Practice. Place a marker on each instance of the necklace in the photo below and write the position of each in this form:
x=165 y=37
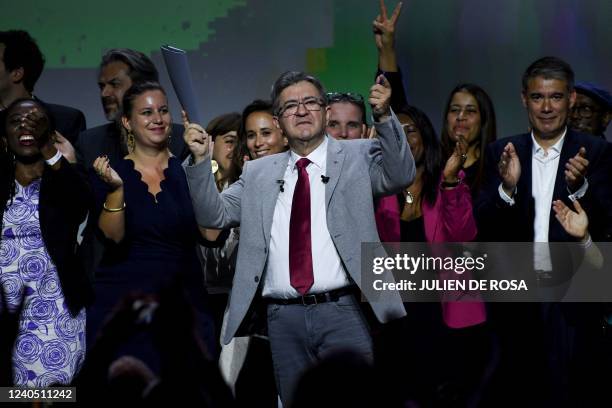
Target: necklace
x=409 y=198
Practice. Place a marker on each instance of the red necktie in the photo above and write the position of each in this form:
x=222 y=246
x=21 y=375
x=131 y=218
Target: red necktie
x=300 y=245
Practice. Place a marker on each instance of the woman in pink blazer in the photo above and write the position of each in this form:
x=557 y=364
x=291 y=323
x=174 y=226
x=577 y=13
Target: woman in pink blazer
x=437 y=208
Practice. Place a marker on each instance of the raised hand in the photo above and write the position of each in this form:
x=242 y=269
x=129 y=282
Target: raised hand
x=37 y=124
x=384 y=27
x=509 y=169
x=65 y=147
x=455 y=161
x=106 y=173
x=575 y=170
x=575 y=223
x=196 y=138
x=380 y=98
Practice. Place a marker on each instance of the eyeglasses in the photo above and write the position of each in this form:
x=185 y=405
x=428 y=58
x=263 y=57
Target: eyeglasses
x=344 y=97
x=584 y=111
x=290 y=108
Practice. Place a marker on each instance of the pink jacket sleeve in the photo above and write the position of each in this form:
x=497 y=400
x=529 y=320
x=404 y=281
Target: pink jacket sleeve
x=387 y=215
x=450 y=219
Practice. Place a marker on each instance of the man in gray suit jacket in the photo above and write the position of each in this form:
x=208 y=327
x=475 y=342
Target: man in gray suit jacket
x=303 y=215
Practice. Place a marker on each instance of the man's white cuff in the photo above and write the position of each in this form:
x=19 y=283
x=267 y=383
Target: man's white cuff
x=504 y=196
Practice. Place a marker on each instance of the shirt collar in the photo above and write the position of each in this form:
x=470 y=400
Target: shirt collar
x=317 y=156
x=555 y=148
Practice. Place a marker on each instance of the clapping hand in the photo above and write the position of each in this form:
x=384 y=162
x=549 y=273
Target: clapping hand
x=575 y=170
x=455 y=161
x=107 y=173
x=380 y=98
x=196 y=138
x=575 y=223
x=509 y=169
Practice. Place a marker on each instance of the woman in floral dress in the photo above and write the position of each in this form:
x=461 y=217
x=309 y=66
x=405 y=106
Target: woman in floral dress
x=42 y=202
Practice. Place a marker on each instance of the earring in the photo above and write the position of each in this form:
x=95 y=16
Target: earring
x=131 y=144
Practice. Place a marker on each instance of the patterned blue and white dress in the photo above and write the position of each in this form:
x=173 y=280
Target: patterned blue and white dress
x=51 y=343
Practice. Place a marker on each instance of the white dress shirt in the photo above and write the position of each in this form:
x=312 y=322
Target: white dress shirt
x=326 y=264
x=544 y=166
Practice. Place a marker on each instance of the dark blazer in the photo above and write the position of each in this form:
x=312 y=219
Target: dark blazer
x=497 y=221
x=106 y=139
x=537 y=336
x=64 y=200
x=68 y=121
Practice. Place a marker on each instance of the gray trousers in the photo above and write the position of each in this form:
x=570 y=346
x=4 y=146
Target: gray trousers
x=302 y=335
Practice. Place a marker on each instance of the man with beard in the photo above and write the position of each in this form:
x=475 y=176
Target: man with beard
x=119 y=69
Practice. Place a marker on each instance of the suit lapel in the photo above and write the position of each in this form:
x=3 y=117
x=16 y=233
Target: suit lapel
x=270 y=190
x=524 y=149
x=569 y=149
x=335 y=160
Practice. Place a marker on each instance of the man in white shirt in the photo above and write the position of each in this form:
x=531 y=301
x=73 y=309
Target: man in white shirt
x=525 y=174
x=303 y=216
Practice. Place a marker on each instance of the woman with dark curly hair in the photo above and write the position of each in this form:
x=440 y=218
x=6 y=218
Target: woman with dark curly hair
x=42 y=202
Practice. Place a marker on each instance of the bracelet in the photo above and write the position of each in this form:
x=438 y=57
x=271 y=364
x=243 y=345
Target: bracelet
x=586 y=244
x=113 y=209
x=57 y=157
x=452 y=184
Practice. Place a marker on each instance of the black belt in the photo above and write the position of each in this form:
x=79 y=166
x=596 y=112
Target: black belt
x=315 y=298
x=543 y=276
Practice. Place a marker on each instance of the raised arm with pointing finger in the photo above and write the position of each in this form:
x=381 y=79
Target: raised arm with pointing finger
x=303 y=215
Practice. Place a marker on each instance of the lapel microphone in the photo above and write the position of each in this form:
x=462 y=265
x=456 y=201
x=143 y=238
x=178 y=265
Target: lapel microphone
x=324 y=179
x=281 y=185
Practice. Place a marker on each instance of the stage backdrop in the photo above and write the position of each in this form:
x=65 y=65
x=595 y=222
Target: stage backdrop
x=238 y=47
